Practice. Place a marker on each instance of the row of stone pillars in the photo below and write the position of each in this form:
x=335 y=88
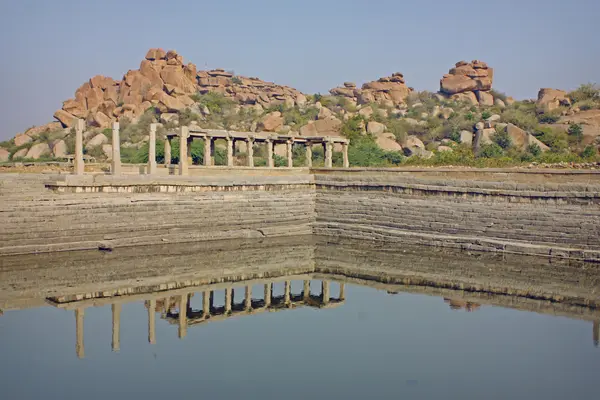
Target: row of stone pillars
x=207 y=306
x=185 y=155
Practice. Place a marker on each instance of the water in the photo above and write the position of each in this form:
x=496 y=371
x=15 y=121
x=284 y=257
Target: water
x=368 y=345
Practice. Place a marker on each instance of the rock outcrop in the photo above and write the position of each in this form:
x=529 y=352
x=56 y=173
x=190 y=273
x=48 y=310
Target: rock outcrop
x=390 y=90
x=469 y=82
x=550 y=99
x=165 y=82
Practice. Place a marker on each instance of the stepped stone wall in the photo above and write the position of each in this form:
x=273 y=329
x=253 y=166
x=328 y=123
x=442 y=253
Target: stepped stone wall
x=554 y=214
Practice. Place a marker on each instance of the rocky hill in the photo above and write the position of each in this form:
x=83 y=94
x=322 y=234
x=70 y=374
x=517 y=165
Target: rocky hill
x=386 y=119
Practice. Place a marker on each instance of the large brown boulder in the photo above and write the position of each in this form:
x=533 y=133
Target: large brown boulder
x=469 y=78
x=522 y=140
x=66 y=119
x=59 y=148
x=4 y=155
x=174 y=75
x=271 y=122
x=389 y=89
x=21 y=139
x=387 y=141
x=550 y=99
x=156 y=54
x=38 y=150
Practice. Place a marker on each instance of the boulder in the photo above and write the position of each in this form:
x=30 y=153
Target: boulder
x=328 y=127
x=466 y=137
x=59 y=148
x=166 y=103
x=521 y=139
x=499 y=103
x=467 y=97
x=324 y=112
x=271 y=122
x=22 y=139
x=4 y=155
x=156 y=54
x=97 y=140
x=485 y=98
x=550 y=99
x=483 y=136
x=457 y=84
x=66 y=119
x=387 y=141
x=366 y=112
x=38 y=150
x=375 y=128
x=107 y=150
x=446 y=112
x=494 y=118
x=20 y=154
x=99 y=119
x=174 y=75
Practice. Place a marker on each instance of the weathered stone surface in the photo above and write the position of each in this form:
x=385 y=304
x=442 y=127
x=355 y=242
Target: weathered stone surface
x=375 y=128
x=469 y=78
x=4 y=155
x=390 y=90
x=550 y=99
x=107 y=150
x=156 y=54
x=387 y=141
x=522 y=140
x=467 y=97
x=466 y=137
x=22 y=139
x=66 y=119
x=324 y=112
x=445 y=149
x=20 y=154
x=97 y=140
x=99 y=119
x=485 y=98
x=59 y=148
x=271 y=122
x=38 y=150
x=366 y=112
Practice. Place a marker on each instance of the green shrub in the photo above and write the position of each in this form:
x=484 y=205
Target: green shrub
x=576 y=131
x=486 y=114
x=502 y=139
x=491 y=150
x=589 y=152
x=548 y=118
x=236 y=80
x=215 y=102
x=534 y=149
x=556 y=139
x=498 y=95
x=588 y=91
x=523 y=118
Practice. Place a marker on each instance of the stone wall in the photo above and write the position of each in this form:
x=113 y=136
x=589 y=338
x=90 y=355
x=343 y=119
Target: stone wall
x=554 y=213
x=550 y=219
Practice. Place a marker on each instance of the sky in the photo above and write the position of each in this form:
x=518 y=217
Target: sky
x=50 y=47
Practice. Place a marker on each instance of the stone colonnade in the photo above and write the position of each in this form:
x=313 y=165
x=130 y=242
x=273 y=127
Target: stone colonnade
x=187 y=135
x=185 y=313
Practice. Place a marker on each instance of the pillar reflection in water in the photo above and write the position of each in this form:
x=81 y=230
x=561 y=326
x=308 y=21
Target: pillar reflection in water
x=116 y=327
x=79 y=347
x=596 y=333
x=152 y=322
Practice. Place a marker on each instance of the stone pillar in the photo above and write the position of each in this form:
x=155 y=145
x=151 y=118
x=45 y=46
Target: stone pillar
x=306 y=291
x=207 y=153
x=228 y=299
x=206 y=304
x=345 y=155
x=183 y=315
x=270 y=161
x=250 y=152
x=116 y=150
x=168 y=151
x=290 y=160
x=342 y=295
x=152 y=321
x=152 y=150
x=325 y=292
x=229 y=152
x=308 y=154
x=596 y=333
x=248 y=299
x=183 y=151
x=328 y=154
x=268 y=294
x=116 y=327
x=78 y=160
x=287 y=292
x=79 y=347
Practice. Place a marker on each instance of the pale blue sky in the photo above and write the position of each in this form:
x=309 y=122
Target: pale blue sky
x=50 y=47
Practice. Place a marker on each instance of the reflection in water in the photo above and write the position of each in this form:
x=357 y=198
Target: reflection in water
x=176 y=309
x=169 y=305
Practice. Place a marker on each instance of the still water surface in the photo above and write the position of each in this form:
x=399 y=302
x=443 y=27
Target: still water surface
x=372 y=345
